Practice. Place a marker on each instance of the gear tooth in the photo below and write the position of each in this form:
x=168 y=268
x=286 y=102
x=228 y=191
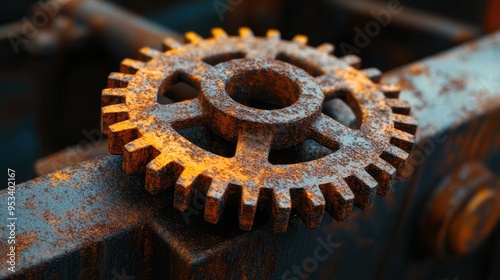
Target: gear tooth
x=245 y=32
x=339 y=200
x=219 y=33
x=399 y=106
x=131 y=66
x=397 y=158
x=184 y=190
x=216 y=201
x=403 y=140
x=364 y=188
x=120 y=134
x=390 y=90
x=326 y=48
x=161 y=173
x=384 y=173
x=300 y=39
x=352 y=60
x=193 y=37
x=248 y=206
x=137 y=154
x=119 y=80
x=163 y=170
x=111 y=96
x=273 y=34
x=153 y=81
x=281 y=208
x=373 y=74
x=146 y=54
x=405 y=123
x=170 y=44
x=311 y=206
x=113 y=114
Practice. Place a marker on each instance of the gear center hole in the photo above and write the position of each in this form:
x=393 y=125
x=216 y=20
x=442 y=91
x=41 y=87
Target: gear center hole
x=266 y=90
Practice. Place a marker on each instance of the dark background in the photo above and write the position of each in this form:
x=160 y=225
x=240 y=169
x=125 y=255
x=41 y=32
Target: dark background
x=49 y=97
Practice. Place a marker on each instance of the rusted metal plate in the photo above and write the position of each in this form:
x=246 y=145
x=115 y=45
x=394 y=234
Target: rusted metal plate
x=94 y=221
x=142 y=235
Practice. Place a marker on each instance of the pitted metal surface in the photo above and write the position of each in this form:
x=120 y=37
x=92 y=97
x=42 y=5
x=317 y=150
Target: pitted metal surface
x=258 y=95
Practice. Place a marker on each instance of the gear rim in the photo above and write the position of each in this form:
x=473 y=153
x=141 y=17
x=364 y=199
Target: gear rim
x=135 y=134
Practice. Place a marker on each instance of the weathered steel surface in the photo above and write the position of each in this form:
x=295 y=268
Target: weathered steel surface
x=236 y=77
x=456 y=98
x=137 y=234
x=93 y=221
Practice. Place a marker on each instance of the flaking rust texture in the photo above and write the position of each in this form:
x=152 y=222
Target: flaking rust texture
x=85 y=217
x=67 y=214
x=230 y=72
x=455 y=96
x=469 y=71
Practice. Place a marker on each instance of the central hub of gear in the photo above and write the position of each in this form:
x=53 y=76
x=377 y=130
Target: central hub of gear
x=263 y=95
x=228 y=86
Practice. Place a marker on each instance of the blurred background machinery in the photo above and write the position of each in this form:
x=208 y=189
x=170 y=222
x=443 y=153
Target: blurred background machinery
x=57 y=62
x=52 y=73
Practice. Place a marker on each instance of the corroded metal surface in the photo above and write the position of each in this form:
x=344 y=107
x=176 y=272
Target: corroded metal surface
x=455 y=96
x=462 y=83
x=93 y=221
x=263 y=95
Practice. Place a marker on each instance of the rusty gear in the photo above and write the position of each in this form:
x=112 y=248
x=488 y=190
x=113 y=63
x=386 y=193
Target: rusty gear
x=234 y=74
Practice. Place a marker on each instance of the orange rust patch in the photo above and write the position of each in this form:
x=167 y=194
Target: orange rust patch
x=30 y=205
x=24 y=240
x=418 y=69
x=51 y=218
x=59 y=176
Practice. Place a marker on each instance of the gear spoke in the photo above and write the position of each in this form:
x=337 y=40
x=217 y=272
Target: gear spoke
x=329 y=132
x=257 y=94
x=179 y=115
x=254 y=146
